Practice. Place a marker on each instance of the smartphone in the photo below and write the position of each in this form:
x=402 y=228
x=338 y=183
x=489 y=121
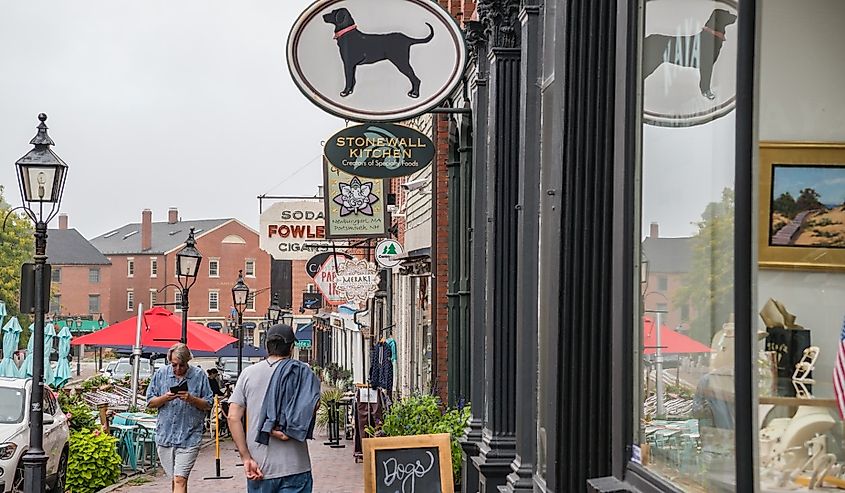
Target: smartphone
x=182 y=387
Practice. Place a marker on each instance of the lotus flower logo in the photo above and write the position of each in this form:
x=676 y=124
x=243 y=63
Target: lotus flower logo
x=355 y=197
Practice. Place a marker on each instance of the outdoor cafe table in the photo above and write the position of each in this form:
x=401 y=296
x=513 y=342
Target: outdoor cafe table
x=136 y=432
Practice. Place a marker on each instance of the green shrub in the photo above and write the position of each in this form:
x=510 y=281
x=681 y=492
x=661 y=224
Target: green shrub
x=421 y=415
x=93 y=462
x=95 y=383
x=79 y=413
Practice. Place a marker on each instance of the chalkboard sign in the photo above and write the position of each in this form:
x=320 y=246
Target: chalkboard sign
x=408 y=464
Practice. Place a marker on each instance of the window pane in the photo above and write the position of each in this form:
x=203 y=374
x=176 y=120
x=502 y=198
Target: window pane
x=130 y=268
x=130 y=301
x=93 y=303
x=685 y=426
x=213 y=299
x=94 y=275
x=153 y=267
x=213 y=268
x=178 y=300
x=56 y=304
x=56 y=274
x=250 y=303
x=249 y=268
x=800 y=285
x=153 y=298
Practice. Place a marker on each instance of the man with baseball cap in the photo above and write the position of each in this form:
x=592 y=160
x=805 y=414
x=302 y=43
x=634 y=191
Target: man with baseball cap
x=275 y=462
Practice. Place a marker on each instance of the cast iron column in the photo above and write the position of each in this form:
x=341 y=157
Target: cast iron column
x=528 y=237
x=184 y=338
x=477 y=321
x=498 y=446
x=240 y=343
x=35 y=460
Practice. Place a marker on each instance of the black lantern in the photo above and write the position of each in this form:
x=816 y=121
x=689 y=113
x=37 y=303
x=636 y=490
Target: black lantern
x=274 y=312
x=41 y=178
x=101 y=322
x=188 y=262
x=240 y=293
x=287 y=318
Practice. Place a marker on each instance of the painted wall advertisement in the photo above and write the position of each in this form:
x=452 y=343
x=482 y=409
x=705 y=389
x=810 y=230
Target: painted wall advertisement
x=294 y=229
x=354 y=206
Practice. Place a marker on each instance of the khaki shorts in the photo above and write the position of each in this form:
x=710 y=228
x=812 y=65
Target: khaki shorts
x=178 y=461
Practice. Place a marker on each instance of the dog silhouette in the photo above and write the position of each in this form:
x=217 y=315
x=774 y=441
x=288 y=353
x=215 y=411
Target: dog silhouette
x=681 y=50
x=357 y=48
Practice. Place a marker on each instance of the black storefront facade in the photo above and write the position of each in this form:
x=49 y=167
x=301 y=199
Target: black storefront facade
x=573 y=149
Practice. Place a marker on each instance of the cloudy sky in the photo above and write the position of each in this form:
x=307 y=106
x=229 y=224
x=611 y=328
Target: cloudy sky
x=159 y=104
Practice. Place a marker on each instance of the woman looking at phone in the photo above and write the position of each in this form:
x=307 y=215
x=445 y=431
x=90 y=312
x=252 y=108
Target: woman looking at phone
x=182 y=395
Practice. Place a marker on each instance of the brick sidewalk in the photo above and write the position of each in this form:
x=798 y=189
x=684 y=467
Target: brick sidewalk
x=334 y=470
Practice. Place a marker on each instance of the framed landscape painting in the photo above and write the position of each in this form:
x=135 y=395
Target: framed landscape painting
x=802 y=206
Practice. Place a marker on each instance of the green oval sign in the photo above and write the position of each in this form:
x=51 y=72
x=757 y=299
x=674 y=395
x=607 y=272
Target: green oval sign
x=379 y=150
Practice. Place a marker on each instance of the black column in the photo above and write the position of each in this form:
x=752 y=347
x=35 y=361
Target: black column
x=521 y=479
x=455 y=348
x=478 y=219
x=498 y=446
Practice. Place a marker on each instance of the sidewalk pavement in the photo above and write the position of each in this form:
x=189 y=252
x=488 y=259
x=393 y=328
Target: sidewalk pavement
x=334 y=471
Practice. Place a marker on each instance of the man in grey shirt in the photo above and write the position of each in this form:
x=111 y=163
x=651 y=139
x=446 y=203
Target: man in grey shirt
x=283 y=465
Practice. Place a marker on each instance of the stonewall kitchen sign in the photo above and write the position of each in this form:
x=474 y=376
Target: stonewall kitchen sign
x=379 y=150
x=291 y=228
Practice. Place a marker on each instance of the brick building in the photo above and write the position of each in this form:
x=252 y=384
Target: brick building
x=143 y=257
x=81 y=275
x=669 y=261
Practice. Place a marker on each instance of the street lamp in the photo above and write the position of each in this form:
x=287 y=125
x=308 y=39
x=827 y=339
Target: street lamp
x=274 y=311
x=41 y=178
x=240 y=295
x=188 y=262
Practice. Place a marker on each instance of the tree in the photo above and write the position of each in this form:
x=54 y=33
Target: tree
x=808 y=200
x=709 y=285
x=785 y=204
x=16 y=248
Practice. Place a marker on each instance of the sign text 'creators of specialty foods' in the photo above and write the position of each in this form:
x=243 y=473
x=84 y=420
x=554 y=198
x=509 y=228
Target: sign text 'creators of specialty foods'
x=294 y=229
x=379 y=150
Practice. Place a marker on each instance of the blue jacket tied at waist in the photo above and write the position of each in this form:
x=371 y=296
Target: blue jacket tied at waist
x=291 y=399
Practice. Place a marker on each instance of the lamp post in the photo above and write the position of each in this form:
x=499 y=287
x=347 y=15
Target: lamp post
x=101 y=323
x=240 y=295
x=41 y=178
x=274 y=311
x=79 y=349
x=188 y=262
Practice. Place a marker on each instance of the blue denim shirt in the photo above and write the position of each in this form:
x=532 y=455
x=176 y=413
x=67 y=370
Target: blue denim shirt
x=179 y=424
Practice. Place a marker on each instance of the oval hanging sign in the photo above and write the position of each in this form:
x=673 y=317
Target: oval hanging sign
x=376 y=60
x=379 y=150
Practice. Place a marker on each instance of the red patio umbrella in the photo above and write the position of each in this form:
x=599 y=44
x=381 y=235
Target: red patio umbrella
x=671 y=342
x=160 y=329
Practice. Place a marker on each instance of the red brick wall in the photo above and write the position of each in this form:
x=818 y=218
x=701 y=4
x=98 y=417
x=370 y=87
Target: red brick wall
x=440 y=266
x=74 y=289
x=300 y=281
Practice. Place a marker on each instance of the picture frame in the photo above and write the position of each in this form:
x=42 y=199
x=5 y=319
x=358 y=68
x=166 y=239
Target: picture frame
x=385 y=468
x=801 y=213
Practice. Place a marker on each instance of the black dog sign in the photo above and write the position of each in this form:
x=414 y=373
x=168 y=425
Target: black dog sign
x=376 y=60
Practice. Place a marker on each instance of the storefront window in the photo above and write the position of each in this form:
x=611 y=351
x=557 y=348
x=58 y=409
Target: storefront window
x=801 y=244
x=684 y=318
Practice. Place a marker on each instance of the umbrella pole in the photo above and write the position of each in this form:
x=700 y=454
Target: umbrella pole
x=217 y=442
x=136 y=357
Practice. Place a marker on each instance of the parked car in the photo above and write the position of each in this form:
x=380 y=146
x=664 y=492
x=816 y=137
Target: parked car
x=123 y=368
x=228 y=368
x=14 y=435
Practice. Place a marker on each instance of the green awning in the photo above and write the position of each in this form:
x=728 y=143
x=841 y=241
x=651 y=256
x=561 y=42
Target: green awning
x=87 y=326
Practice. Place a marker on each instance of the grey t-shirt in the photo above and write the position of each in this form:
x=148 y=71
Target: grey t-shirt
x=279 y=458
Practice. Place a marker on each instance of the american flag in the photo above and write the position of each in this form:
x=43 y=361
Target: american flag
x=839 y=374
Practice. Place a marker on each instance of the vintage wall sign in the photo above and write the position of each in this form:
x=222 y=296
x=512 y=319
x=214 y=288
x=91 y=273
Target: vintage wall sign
x=291 y=229
x=376 y=60
x=354 y=206
x=387 y=252
x=316 y=261
x=689 y=61
x=357 y=280
x=379 y=150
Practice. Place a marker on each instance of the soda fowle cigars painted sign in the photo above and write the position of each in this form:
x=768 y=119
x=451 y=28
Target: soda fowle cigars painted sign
x=379 y=150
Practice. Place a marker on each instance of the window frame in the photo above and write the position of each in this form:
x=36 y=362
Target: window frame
x=56 y=274
x=216 y=294
x=91 y=270
x=153 y=297
x=130 y=300
x=153 y=267
x=130 y=267
x=99 y=303
x=177 y=300
x=216 y=263
x=247 y=263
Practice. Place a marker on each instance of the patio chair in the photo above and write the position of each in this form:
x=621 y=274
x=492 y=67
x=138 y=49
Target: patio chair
x=145 y=443
x=126 y=446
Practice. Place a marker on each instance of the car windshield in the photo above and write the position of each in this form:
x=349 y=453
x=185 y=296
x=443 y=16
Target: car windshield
x=233 y=365
x=124 y=367
x=11 y=405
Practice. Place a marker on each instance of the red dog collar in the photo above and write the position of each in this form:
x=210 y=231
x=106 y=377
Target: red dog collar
x=710 y=30
x=346 y=30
